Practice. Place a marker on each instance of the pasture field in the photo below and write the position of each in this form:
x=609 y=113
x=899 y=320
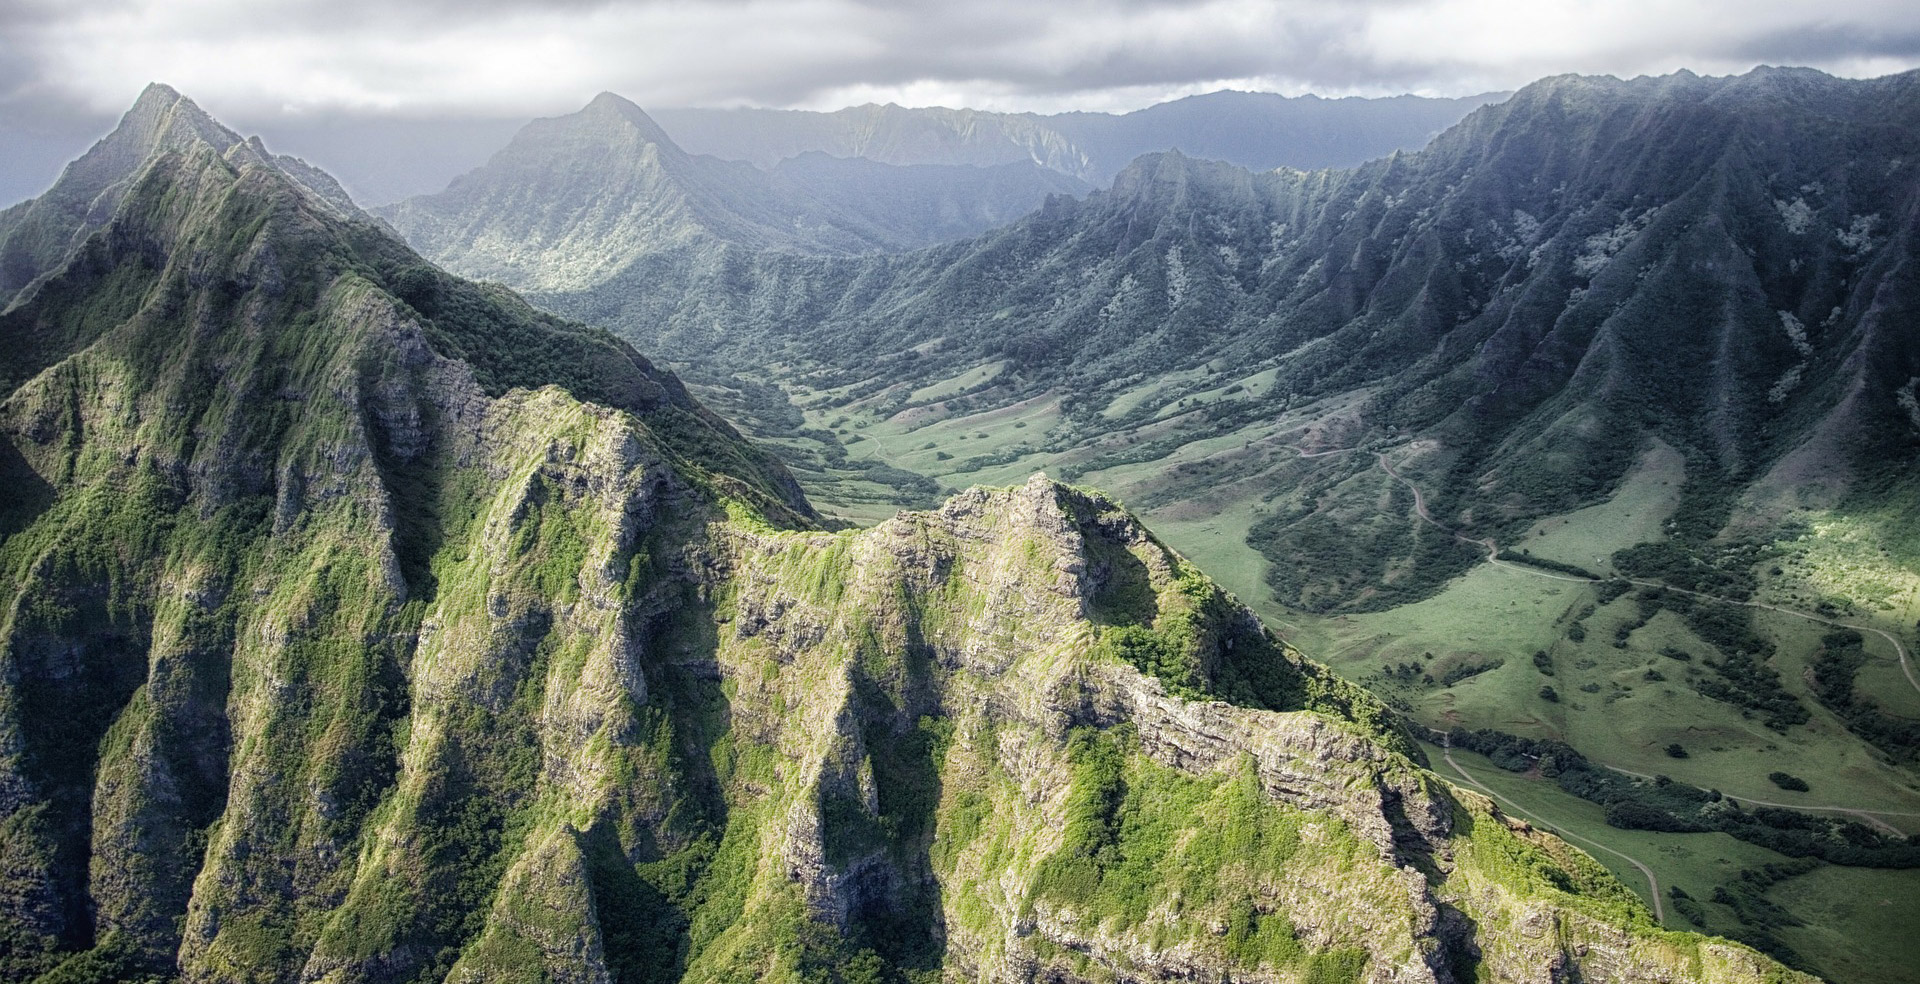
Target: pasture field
x=1845 y=924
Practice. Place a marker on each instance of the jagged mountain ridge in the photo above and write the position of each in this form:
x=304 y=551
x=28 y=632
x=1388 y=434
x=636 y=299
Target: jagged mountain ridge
x=1256 y=130
x=573 y=200
x=332 y=651
x=1723 y=264
x=36 y=234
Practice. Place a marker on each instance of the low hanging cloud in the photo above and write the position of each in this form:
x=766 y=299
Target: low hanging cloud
x=252 y=59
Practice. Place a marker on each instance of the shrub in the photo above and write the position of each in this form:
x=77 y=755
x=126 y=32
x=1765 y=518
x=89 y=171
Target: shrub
x=1637 y=815
x=1788 y=781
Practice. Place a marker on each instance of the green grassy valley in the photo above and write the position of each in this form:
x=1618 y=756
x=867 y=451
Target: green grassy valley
x=1849 y=921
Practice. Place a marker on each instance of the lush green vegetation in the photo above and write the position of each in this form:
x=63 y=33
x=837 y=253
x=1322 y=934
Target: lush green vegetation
x=1788 y=781
x=330 y=664
x=1840 y=659
x=1526 y=557
x=1664 y=805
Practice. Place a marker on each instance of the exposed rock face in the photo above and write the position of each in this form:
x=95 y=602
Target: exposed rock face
x=335 y=648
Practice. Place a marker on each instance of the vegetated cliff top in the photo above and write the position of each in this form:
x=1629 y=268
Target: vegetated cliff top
x=362 y=624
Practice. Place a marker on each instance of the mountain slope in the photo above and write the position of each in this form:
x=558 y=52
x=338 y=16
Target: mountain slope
x=1256 y=130
x=574 y=200
x=1721 y=264
x=332 y=651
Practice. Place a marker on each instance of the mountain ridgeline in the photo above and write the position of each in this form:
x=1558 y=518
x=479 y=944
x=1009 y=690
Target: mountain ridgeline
x=1257 y=130
x=359 y=623
x=1725 y=265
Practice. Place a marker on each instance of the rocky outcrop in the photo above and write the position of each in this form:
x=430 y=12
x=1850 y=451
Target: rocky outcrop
x=980 y=621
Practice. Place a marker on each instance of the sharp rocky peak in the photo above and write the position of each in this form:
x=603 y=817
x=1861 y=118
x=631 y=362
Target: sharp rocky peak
x=37 y=235
x=608 y=107
x=161 y=119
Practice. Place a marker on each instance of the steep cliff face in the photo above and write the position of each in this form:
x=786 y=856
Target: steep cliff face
x=1008 y=761
x=360 y=624
x=236 y=447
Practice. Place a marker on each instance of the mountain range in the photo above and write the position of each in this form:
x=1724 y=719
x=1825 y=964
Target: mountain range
x=1722 y=265
x=1588 y=429
x=382 y=159
x=572 y=200
x=362 y=623
x=1256 y=130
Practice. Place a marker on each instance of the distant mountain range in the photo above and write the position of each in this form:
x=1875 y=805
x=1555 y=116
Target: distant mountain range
x=382 y=160
x=1256 y=130
x=574 y=200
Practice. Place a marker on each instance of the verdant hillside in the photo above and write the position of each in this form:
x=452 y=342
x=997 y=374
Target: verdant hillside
x=359 y=623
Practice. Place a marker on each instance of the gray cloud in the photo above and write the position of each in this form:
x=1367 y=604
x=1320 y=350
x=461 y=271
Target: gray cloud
x=1828 y=42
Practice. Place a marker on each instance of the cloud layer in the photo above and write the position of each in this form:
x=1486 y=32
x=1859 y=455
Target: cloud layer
x=253 y=58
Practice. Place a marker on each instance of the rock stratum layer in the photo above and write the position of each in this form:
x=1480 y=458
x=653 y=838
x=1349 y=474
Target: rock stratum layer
x=361 y=624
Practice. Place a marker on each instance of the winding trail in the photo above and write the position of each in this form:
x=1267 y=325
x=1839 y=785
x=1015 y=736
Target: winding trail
x=1872 y=817
x=1653 y=882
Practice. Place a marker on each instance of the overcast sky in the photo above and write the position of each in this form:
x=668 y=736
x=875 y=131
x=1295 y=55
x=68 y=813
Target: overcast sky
x=397 y=96
x=252 y=58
